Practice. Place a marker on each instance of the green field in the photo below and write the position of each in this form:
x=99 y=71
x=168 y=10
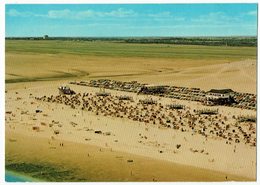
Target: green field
x=115 y=49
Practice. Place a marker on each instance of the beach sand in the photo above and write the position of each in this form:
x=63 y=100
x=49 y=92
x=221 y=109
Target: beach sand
x=152 y=147
x=126 y=150
x=205 y=73
x=101 y=164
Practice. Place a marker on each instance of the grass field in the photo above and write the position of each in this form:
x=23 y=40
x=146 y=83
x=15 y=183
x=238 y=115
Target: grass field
x=99 y=48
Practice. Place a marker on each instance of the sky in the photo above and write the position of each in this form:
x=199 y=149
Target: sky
x=122 y=20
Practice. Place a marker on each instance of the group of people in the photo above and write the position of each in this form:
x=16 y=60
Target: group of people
x=185 y=119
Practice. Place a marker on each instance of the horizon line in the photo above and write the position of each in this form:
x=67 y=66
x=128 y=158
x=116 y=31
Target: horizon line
x=128 y=36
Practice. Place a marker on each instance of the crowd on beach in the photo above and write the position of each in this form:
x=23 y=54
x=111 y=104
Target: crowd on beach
x=242 y=100
x=207 y=123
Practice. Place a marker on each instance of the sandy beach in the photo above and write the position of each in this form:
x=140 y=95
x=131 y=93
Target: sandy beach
x=92 y=163
x=59 y=125
x=102 y=134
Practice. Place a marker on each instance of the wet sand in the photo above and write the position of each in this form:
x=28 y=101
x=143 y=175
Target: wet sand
x=101 y=164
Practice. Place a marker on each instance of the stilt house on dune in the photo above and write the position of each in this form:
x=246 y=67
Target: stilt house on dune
x=219 y=97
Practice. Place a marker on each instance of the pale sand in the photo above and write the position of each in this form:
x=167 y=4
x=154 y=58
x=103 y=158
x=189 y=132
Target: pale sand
x=221 y=157
x=205 y=74
x=171 y=165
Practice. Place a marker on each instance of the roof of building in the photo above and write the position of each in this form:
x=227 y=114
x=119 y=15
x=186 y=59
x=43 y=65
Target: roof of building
x=221 y=91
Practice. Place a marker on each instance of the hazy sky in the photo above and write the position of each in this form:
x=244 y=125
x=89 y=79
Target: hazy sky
x=132 y=20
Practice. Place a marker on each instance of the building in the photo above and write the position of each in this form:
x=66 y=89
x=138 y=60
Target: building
x=219 y=97
x=45 y=37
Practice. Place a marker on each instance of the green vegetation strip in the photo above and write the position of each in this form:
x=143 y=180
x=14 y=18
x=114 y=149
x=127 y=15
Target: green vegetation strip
x=112 y=49
x=208 y=41
x=44 y=172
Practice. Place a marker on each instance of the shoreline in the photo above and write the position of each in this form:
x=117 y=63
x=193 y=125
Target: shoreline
x=14 y=176
x=169 y=170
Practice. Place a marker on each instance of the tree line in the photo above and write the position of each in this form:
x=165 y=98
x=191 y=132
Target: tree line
x=208 y=41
